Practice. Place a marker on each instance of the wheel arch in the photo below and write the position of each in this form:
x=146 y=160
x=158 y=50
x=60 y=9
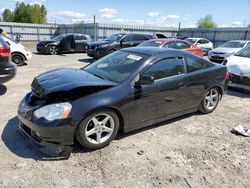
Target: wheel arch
x=113 y=109
x=19 y=53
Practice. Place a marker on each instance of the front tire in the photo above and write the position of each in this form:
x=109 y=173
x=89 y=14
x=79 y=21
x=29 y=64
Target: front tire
x=18 y=59
x=98 y=129
x=210 y=101
x=53 y=50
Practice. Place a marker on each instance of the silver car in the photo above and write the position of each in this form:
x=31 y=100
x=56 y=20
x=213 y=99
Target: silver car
x=229 y=48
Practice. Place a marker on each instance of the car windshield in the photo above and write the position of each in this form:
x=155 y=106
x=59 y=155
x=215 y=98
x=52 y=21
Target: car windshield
x=191 y=40
x=245 y=52
x=115 y=37
x=154 y=43
x=59 y=37
x=234 y=44
x=117 y=66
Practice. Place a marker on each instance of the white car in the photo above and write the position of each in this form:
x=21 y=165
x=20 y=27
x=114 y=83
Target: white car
x=238 y=66
x=19 y=54
x=203 y=43
x=229 y=48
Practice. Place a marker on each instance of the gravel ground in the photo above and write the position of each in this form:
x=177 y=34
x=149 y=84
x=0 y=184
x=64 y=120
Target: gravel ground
x=191 y=151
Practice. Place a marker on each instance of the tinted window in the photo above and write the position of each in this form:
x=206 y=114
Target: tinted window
x=195 y=63
x=80 y=37
x=127 y=38
x=140 y=37
x=165 y=68
x=152 y=43
x=177 y=45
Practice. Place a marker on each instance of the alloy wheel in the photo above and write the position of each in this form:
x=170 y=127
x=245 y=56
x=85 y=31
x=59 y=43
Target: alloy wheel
x=211 y=99
x=53 y=50
x=99 y=128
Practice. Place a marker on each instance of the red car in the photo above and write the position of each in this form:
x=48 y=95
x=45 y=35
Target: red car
x=174 y=43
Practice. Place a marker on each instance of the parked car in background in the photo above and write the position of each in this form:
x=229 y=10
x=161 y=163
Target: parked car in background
x=67 y=42
x=126 y=90
x=115 y=42
x=238 y=66
x=229 y=48
x=19 y=54
x=173 y=43
x=7 y=68
x=203 y=43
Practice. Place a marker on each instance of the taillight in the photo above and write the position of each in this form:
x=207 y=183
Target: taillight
x=4 y=52
x=227 y=76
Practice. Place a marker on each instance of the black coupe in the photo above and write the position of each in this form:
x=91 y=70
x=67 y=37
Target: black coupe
x=126 y=90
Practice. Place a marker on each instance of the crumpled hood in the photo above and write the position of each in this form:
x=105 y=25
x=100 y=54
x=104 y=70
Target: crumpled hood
x=226 y=50
x=239 y=66
x=65 y=79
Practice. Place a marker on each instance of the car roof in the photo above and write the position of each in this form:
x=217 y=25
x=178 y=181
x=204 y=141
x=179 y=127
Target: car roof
x=150 y=51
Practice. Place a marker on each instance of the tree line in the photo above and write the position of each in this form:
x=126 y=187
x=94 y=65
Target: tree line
x=26 y=14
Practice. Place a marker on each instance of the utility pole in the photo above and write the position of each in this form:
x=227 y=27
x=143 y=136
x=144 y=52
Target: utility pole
x=94 y=28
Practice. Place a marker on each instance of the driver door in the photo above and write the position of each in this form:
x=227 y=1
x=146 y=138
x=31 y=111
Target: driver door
x=165 y=97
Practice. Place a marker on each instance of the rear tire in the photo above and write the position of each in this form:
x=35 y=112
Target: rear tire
x=210 y=101
x=18 y=59
x=98 y=129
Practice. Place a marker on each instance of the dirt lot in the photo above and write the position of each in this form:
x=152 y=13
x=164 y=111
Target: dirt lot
x=192 y=151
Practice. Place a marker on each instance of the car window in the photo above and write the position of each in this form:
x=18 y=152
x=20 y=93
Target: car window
x=245 y=52
x=195 y=63
x=234 y=44
x=139 y=38
x=117 y=66
x=248 y=44
x=199 y=42
x=205 y=41
x=170 y=45
x=152 y=43
x=165 y=68
x=127 y=38
x=80 y=37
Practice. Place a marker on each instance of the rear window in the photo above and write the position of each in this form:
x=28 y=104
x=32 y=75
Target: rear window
x=234 y=44
x=151 y=43
x=195 y=63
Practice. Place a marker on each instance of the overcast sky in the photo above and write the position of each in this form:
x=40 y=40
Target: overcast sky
x=226 y=13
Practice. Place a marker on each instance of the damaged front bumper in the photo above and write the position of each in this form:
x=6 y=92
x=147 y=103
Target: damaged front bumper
x=55 y=139
x=43 y=144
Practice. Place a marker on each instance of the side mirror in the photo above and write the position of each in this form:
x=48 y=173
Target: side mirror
x=145 y=80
